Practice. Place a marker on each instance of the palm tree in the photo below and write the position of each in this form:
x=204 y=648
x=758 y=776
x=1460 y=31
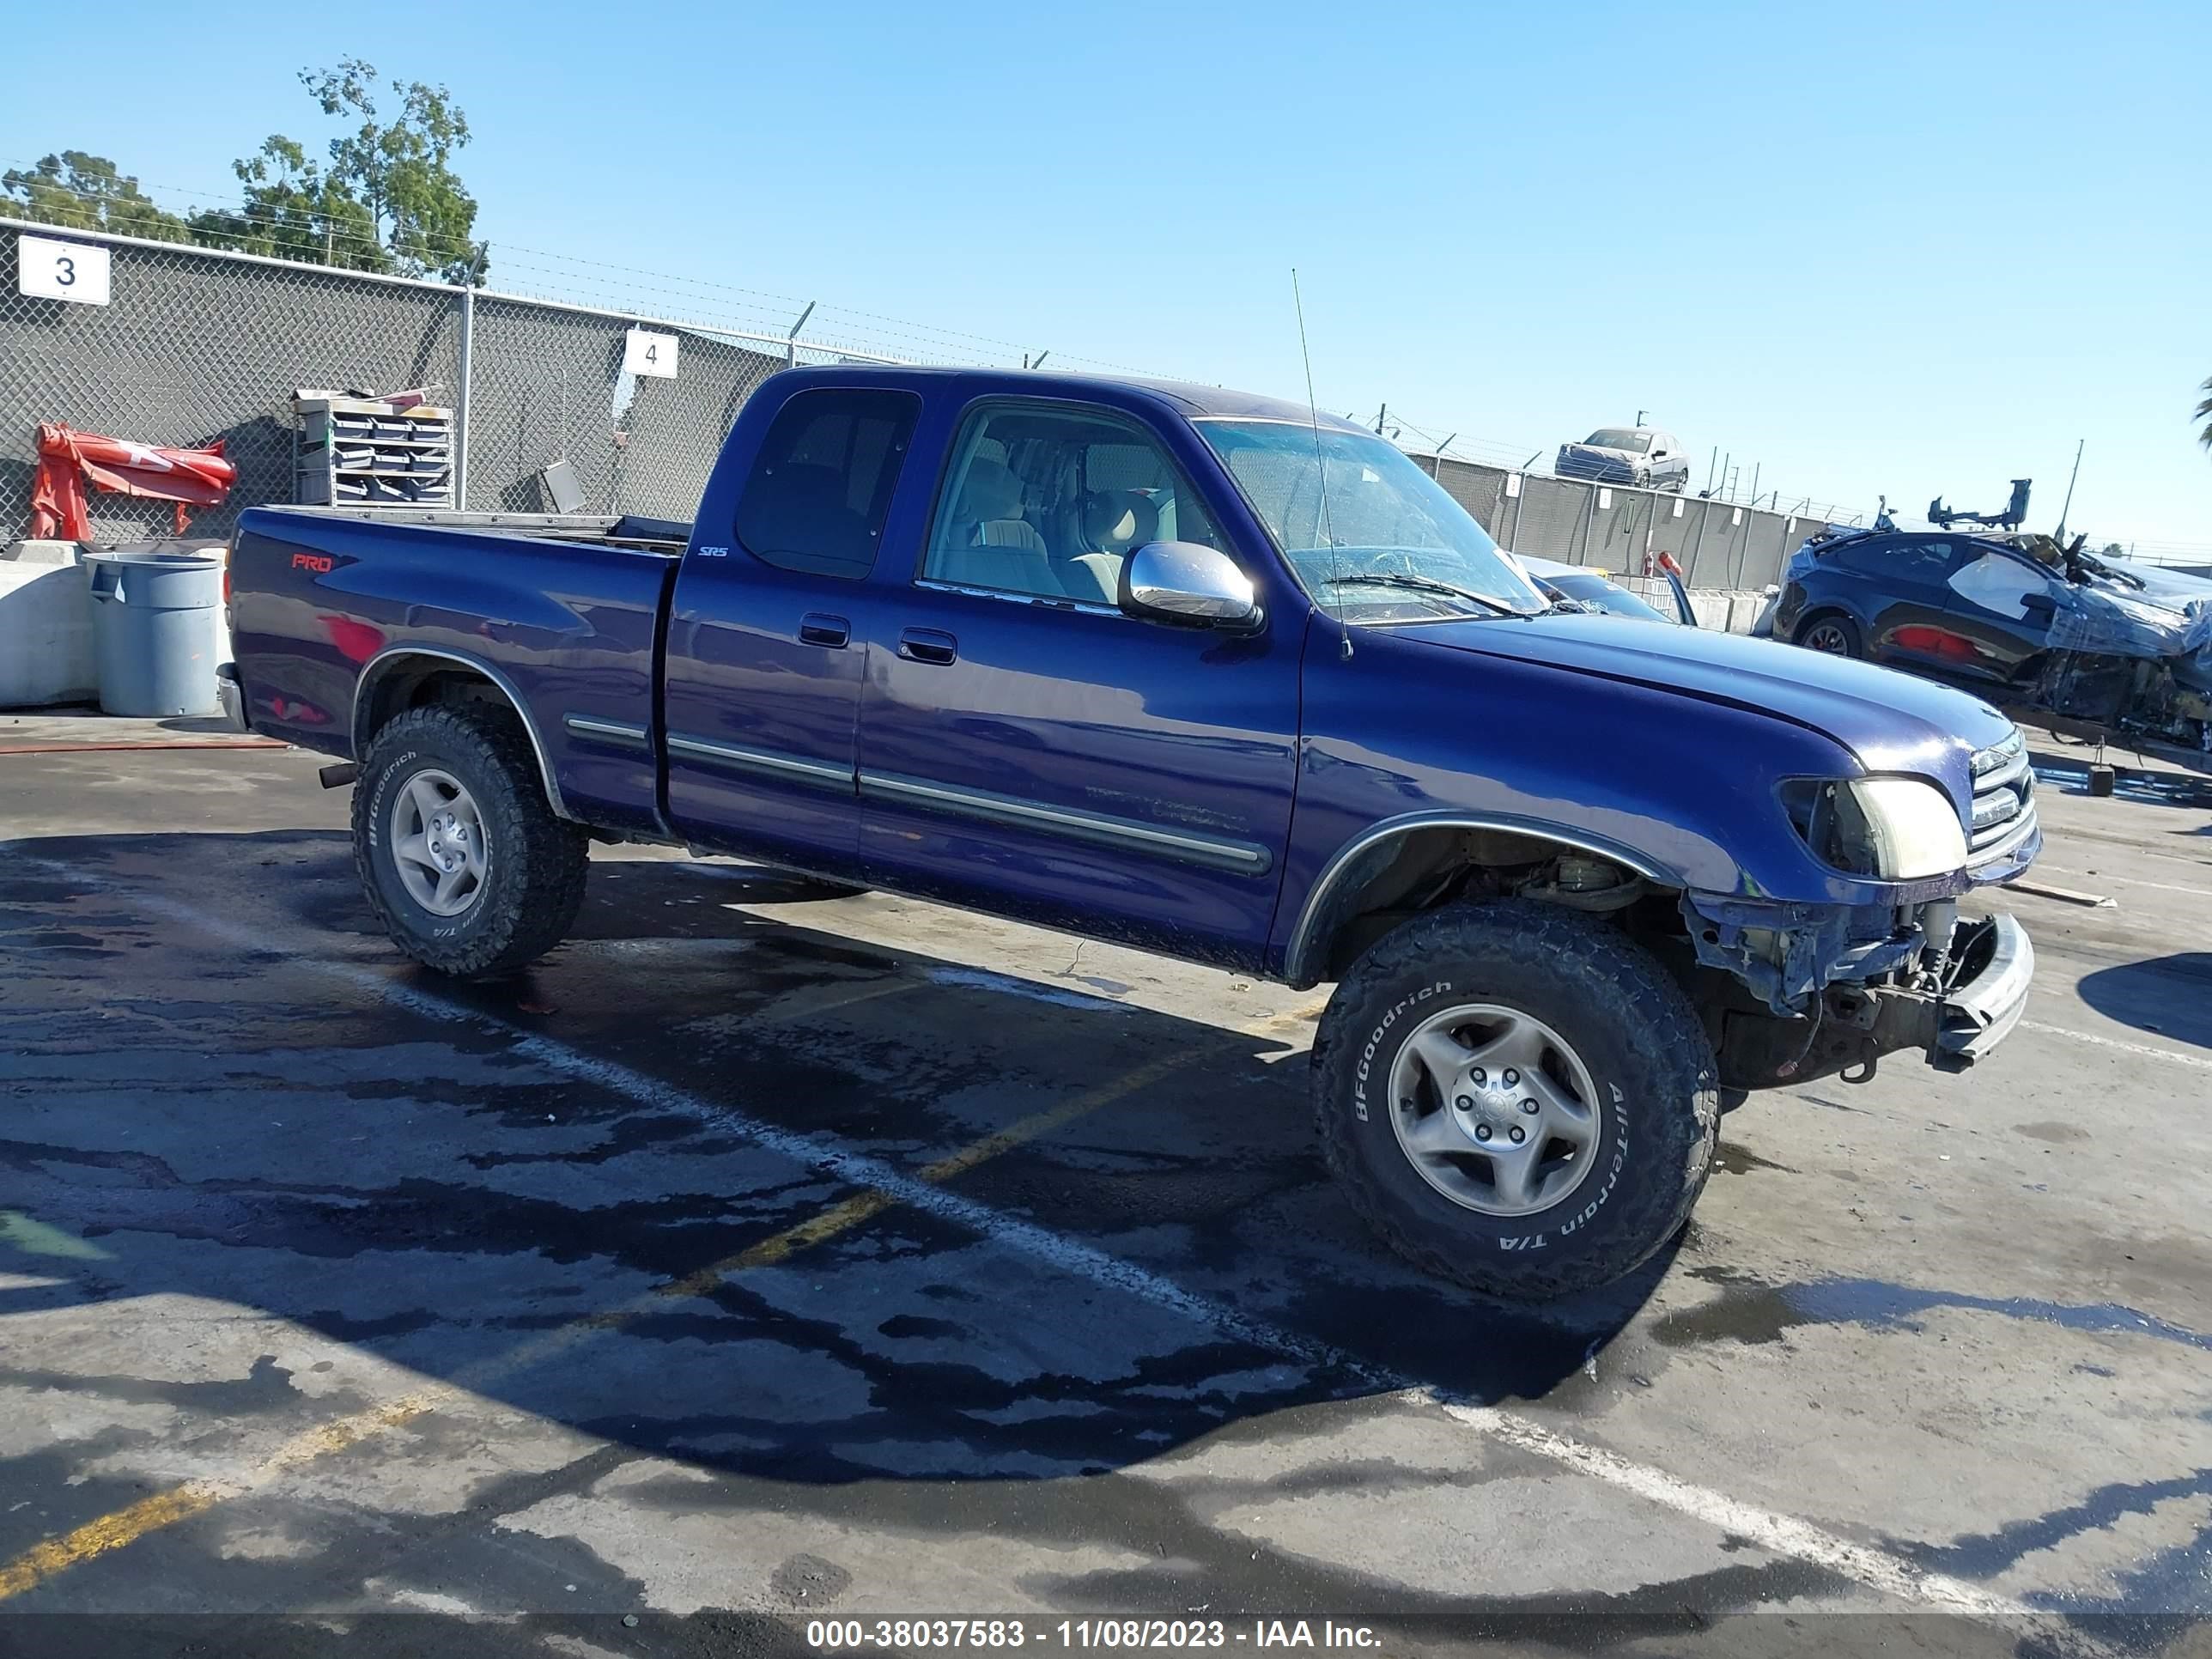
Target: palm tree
x=2204 y=414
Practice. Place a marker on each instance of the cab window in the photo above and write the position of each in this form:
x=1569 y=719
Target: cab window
x=1049 y=502
x=821 y=486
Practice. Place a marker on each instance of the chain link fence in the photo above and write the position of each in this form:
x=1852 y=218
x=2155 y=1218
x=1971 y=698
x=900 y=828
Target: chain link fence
x=196 y=345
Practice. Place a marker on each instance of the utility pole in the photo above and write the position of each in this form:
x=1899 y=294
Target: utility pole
x=2079 y=446
x=1712 y=462
x=1640 y=413
x=1381 y=409
x=1754 y=483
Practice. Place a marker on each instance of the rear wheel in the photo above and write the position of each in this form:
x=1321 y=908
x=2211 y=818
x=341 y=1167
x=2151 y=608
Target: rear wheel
x=457 y=850
x=1516 y=1097
x=1832 y=634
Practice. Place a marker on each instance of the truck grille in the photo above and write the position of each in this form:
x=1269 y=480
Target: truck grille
x=2004 y=799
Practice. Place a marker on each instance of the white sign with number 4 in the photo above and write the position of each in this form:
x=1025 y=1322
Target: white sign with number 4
x=646 y=352
x=48 y=269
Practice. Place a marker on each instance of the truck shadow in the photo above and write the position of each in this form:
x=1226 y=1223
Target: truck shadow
x=2168 y=994
x=552 y=1190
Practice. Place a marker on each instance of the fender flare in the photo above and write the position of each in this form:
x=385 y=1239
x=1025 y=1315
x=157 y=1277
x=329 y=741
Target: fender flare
x=1301 y=964
x=383 y=663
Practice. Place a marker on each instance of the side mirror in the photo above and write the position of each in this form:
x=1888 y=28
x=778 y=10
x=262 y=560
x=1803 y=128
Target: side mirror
x=1187 y=584
x=2040 y=604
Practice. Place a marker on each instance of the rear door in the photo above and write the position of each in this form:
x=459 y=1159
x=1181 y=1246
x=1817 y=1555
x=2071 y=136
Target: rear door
x=1027 y=748
x=765 y=634
x=1904 y=589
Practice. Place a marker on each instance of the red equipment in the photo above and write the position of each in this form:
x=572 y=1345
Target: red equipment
x=67 y=459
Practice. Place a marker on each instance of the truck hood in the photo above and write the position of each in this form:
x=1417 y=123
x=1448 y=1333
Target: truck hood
x=1891 y=721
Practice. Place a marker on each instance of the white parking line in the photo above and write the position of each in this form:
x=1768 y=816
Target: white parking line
x=2127 y=881
x=2143 y=1049
x=1780 y=1534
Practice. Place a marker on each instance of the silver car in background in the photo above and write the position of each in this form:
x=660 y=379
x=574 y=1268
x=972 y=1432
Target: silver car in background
x=1643 y=456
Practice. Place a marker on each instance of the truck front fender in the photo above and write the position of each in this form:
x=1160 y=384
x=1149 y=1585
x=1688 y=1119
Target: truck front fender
x=1330 y=900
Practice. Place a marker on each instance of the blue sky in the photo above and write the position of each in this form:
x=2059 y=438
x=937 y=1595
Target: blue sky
x=1869 y=248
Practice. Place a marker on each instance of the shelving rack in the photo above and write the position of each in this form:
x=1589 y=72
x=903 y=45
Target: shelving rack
x=364 y=452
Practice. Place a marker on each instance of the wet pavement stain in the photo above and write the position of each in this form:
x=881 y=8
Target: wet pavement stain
x=976 y=1441
x=1732 y=1159
x=1754 y=1311
x=917 y=1325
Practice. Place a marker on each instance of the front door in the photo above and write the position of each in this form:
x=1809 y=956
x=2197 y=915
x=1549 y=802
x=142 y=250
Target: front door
x=1024 y=744
x=1907 y=605
x=766 y=640
x=2002 y=603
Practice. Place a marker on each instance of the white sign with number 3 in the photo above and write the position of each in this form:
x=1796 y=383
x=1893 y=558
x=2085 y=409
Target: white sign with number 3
x=61 y=271
x=645 y=353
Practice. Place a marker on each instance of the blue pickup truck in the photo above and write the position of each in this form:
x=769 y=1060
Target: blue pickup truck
x=1209 y=675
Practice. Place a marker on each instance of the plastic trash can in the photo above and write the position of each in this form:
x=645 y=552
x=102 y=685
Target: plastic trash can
x=157 y=631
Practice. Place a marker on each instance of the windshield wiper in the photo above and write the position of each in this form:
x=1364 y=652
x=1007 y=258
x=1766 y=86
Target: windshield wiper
x=1426 y=585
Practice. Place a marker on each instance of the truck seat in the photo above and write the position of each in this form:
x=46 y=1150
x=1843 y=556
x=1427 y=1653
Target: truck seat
x=988 y=543
x=1115 y=522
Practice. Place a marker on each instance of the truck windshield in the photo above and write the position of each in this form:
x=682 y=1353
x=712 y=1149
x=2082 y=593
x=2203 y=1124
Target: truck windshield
x=1385 y=521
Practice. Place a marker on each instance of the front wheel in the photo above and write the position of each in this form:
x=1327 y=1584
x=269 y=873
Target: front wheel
x=460 y=853
x=1517 y=1097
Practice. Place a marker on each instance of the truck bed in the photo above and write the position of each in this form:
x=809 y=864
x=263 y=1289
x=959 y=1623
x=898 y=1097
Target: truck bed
x=625 y=530
x=340 y=613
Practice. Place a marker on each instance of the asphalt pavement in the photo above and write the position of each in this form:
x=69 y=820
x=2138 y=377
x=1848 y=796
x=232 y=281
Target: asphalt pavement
x=762 y=1258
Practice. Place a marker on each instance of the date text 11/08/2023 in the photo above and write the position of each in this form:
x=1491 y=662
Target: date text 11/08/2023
x=849 y=1634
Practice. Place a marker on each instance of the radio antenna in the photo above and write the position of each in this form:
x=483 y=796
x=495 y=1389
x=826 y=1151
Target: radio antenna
x=1320 y=465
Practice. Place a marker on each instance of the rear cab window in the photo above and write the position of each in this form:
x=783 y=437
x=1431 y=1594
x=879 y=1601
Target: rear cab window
x=821 y=487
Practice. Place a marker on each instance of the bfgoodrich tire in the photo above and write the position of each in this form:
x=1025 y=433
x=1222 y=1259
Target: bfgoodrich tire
x=458 y=852
x=1517 y=1097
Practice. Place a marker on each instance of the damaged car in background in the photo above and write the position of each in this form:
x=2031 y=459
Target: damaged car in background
x=2125 y=647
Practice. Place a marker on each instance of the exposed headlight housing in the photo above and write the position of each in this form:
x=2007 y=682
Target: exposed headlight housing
x=1891 y=829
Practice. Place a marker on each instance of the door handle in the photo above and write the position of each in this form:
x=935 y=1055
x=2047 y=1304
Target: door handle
x=927 y=644
x=819 y=627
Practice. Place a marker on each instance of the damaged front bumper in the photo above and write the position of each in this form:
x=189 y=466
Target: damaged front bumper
x=1984 y=995
x=1955 y=1015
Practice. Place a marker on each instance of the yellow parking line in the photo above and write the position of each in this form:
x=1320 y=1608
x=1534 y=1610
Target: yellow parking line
x=125 y=1526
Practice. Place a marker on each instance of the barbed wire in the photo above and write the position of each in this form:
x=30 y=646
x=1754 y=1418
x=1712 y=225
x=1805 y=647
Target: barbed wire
x=558 y=284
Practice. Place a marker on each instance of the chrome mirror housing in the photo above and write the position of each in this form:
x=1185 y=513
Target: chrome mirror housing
x=1189 y=584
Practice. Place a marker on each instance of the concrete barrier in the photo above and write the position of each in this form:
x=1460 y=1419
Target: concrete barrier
x=46 y=627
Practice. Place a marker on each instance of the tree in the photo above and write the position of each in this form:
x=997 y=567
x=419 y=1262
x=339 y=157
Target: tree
x=387 y=200
x=2204 y=414
x=292 y=209
x=87 y=192
x=401 y=172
